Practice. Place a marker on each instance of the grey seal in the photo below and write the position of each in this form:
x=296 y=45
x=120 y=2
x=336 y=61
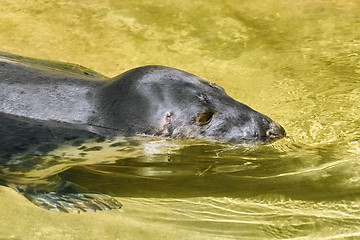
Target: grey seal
x=49 y=102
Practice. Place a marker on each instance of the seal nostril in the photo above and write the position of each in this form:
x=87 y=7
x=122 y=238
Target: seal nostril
x=275 y=131
x=271 y=133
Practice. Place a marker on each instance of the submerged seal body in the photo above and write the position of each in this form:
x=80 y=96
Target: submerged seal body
x=42 y=106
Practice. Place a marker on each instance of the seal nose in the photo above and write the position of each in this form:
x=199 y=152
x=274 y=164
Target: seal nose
x=275 y=131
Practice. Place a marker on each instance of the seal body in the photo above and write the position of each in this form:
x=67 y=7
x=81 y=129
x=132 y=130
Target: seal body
x=150 y=100
x=45 y=105
x=45 y=94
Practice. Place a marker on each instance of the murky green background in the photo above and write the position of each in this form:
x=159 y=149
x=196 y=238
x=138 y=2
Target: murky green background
x=296 y=61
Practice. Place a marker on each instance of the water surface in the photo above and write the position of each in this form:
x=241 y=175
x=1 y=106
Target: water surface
x=297 y=62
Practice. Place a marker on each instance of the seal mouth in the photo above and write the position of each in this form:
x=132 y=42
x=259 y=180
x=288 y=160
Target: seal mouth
x=271 y=134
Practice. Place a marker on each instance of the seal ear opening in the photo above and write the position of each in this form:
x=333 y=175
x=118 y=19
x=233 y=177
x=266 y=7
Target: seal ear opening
x=205 y=117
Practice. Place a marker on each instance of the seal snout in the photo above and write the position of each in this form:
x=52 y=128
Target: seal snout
x=275 y=131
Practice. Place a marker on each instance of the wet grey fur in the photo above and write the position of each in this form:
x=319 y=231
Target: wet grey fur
x=150 y=100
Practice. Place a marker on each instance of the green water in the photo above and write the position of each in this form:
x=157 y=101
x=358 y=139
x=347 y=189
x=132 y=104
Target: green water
x=295 y=61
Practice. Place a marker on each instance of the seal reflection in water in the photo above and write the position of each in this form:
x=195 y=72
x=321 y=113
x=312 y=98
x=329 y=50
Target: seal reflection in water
x=57 y=104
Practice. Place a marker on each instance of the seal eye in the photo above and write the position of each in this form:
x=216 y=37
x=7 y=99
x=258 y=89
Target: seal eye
x=205 y=117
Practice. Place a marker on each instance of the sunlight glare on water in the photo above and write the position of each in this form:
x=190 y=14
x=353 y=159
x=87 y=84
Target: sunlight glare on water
x=295 y=61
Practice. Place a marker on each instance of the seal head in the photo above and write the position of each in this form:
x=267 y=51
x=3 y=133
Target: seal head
x=162 y=101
